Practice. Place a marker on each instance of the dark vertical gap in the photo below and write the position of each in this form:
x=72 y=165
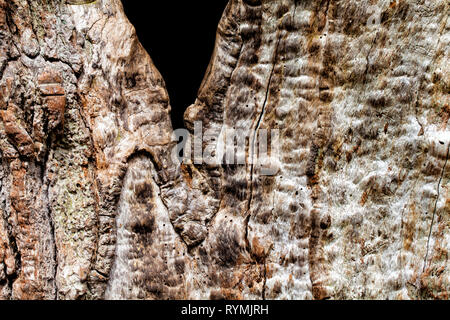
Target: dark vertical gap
x=180 y=37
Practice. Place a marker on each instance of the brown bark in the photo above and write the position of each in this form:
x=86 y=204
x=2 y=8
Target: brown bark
x=93 y=206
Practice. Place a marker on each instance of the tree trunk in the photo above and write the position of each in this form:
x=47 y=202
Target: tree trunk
x=352 y=200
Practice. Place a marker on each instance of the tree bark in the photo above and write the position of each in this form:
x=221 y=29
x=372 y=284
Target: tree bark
x=356 y=205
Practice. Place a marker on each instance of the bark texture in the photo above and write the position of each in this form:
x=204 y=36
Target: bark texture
x=92 y=205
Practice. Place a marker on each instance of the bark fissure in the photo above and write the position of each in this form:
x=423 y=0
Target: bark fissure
x=433 y=217
x=258 y=123
x=255 y=132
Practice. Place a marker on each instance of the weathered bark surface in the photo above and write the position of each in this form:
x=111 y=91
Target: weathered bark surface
x=92 y=206
x=80 y=99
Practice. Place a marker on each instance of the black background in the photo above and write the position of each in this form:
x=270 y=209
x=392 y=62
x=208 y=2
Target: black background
x=171 y=310
x=180 y=37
